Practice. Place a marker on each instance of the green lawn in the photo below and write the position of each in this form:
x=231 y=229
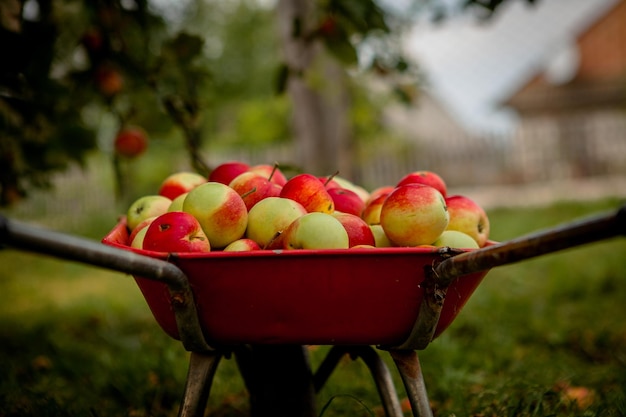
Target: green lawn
x=80 y=341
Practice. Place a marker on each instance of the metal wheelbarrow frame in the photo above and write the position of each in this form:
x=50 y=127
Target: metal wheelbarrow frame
x=449 y=267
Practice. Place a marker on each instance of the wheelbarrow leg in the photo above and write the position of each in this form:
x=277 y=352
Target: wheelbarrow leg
x=202 y=367
x=410 y=371
x=384 y=382
x=377 y=367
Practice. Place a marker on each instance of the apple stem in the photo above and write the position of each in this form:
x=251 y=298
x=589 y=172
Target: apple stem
x=273 y=239
x=247 y=193
x=330 y=178
x=273 y=171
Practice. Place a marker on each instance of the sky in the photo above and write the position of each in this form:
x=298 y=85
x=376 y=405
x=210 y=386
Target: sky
x=470 y=66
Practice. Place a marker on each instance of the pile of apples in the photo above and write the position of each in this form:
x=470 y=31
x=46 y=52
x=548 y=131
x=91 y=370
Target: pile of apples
x=245 y=208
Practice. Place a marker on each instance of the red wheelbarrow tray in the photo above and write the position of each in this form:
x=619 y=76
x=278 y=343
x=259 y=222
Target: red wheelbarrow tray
x=307 y=297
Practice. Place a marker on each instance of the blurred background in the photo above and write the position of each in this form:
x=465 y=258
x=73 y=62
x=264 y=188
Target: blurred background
x=525 y=97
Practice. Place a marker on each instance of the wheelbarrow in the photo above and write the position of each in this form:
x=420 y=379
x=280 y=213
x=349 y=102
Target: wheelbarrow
x=263 y=307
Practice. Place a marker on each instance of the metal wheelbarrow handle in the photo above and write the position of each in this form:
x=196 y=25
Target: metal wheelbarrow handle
x=440 y=276
x=35 y=239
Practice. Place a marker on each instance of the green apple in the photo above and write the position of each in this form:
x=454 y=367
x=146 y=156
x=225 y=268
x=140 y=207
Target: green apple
x=380 y=238
x=137 y=241
x=413 y=215
x=221 y=212
x=270 y=217
x=315 y=231
x=177 y=203
x=144 y=207
x=456 y=239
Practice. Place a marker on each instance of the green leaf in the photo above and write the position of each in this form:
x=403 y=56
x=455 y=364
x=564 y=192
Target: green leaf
x=342 y=49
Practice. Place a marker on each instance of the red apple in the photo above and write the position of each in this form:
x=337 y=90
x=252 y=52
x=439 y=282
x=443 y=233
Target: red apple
x=468 y=217
x=329 y=182
x=413 y=215
x=227 y=171
x=271 y=172
x=346 y=201
x=253 y=188
x=359 y=232
x=242 y=245
x=309 y=191
x=426 y=178
x=220 y=210
x=109 y=80
x=131 y=141
x=176 y=231
x=180 y=183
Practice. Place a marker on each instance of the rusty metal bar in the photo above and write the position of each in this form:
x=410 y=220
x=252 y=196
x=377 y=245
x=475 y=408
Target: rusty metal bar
x=410 y=370
x=569 y=235
x=202 y=368
x=39 y=240
x=440 y=276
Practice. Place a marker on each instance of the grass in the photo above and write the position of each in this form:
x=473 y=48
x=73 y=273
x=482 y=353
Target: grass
x=80 y=341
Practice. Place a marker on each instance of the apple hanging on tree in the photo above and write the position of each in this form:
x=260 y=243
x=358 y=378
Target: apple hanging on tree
x=130 y=142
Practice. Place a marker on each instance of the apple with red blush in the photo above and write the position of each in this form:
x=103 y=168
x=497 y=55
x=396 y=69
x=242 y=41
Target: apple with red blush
x=467 y=216
x=180 y=183
x=271 y=172
x=221 y=212
x=253 y=188
x=413 y=215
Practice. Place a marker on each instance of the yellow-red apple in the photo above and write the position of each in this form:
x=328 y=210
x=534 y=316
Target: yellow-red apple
x=242 y=245
x=180 y=183
x=414 y=214
x=271 y=172
x=253 y=187
x=468 y=217
x=220 y=210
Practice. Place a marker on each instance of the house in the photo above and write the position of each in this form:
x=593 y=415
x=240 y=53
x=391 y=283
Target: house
x=572 y=112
